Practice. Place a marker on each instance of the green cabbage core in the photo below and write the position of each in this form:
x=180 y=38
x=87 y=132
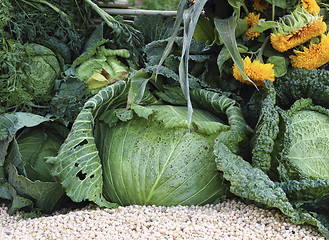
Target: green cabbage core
x=309 y=150
x=146 y=162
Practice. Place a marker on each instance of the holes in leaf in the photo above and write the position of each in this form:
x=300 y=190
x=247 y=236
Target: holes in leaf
x=92 y=176
x=76 y=164
x=81 y=176
x=79 y=145
x=82 y=143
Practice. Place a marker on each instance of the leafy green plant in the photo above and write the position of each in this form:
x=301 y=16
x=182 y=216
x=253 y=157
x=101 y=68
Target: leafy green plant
x=124 y=35
x=26 y=140
x=145 y=154
x=60 y=26
x=289 y=158
x=170 y=5
x=28 y=75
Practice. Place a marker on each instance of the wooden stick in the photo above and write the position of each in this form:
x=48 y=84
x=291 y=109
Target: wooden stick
x=135 y=12
x=116 y=4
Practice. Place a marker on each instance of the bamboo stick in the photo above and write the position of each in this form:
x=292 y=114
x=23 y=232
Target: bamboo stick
x=116 y=4
x=136 y=12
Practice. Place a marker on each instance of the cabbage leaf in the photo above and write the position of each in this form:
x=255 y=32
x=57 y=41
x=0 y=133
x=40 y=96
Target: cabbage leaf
x=109 y=139
x=289 y=169
x=25 y=181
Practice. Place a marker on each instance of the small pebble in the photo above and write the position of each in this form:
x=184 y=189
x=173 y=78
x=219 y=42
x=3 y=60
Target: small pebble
x=231 y=219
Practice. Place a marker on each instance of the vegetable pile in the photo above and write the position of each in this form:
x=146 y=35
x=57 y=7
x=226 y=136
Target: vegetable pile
x=233 y=103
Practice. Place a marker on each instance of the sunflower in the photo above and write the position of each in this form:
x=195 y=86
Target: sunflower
x=311 y=6
x=252 y=20
x=256 y=71
x=283 y=42
x=313 y=57
x=260 y=5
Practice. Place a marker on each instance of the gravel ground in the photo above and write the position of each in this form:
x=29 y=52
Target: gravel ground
x=231 y=219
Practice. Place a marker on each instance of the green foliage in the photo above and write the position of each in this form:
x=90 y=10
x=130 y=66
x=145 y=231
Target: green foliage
x=301 y=83
x=25 y=181
x=170 y=5
x=12 y=91
x=154 y=27
x=122 y=35
x=104 y=125
x=289 y=153
x=134 y=141
x=69 y=99
x=56 y=24
x=28 y=75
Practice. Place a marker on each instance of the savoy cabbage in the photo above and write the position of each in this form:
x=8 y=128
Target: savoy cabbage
x=289 y=163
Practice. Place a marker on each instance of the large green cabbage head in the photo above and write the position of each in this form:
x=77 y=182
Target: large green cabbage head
x=146 y=154
x=152 y=158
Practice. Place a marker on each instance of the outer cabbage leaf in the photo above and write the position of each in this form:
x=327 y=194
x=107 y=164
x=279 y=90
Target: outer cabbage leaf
x=77 y=164
x=10 y=124
x=25 y=180
x=43 y=195
x=221 y=104
x=8 y=193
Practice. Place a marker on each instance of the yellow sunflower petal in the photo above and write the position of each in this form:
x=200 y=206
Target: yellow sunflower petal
x=282 y=42
x=311 y=6
x=256 y=71
x=313 y=57
x=252 y=20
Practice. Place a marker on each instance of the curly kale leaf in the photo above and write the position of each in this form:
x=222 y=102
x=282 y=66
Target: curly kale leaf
x=301 y=83
x=69 y=99
x=254 y=185
x=267 y=129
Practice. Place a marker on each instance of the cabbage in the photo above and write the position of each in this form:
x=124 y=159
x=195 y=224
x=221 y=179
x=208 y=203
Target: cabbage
x=154 y=160
x=42 y=68
x=289 y=163
x=27 y=75
x=306 y=153
x=26 y=140
x=146 y=154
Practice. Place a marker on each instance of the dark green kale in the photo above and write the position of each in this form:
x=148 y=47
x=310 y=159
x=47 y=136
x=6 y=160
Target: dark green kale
x=301 y=83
